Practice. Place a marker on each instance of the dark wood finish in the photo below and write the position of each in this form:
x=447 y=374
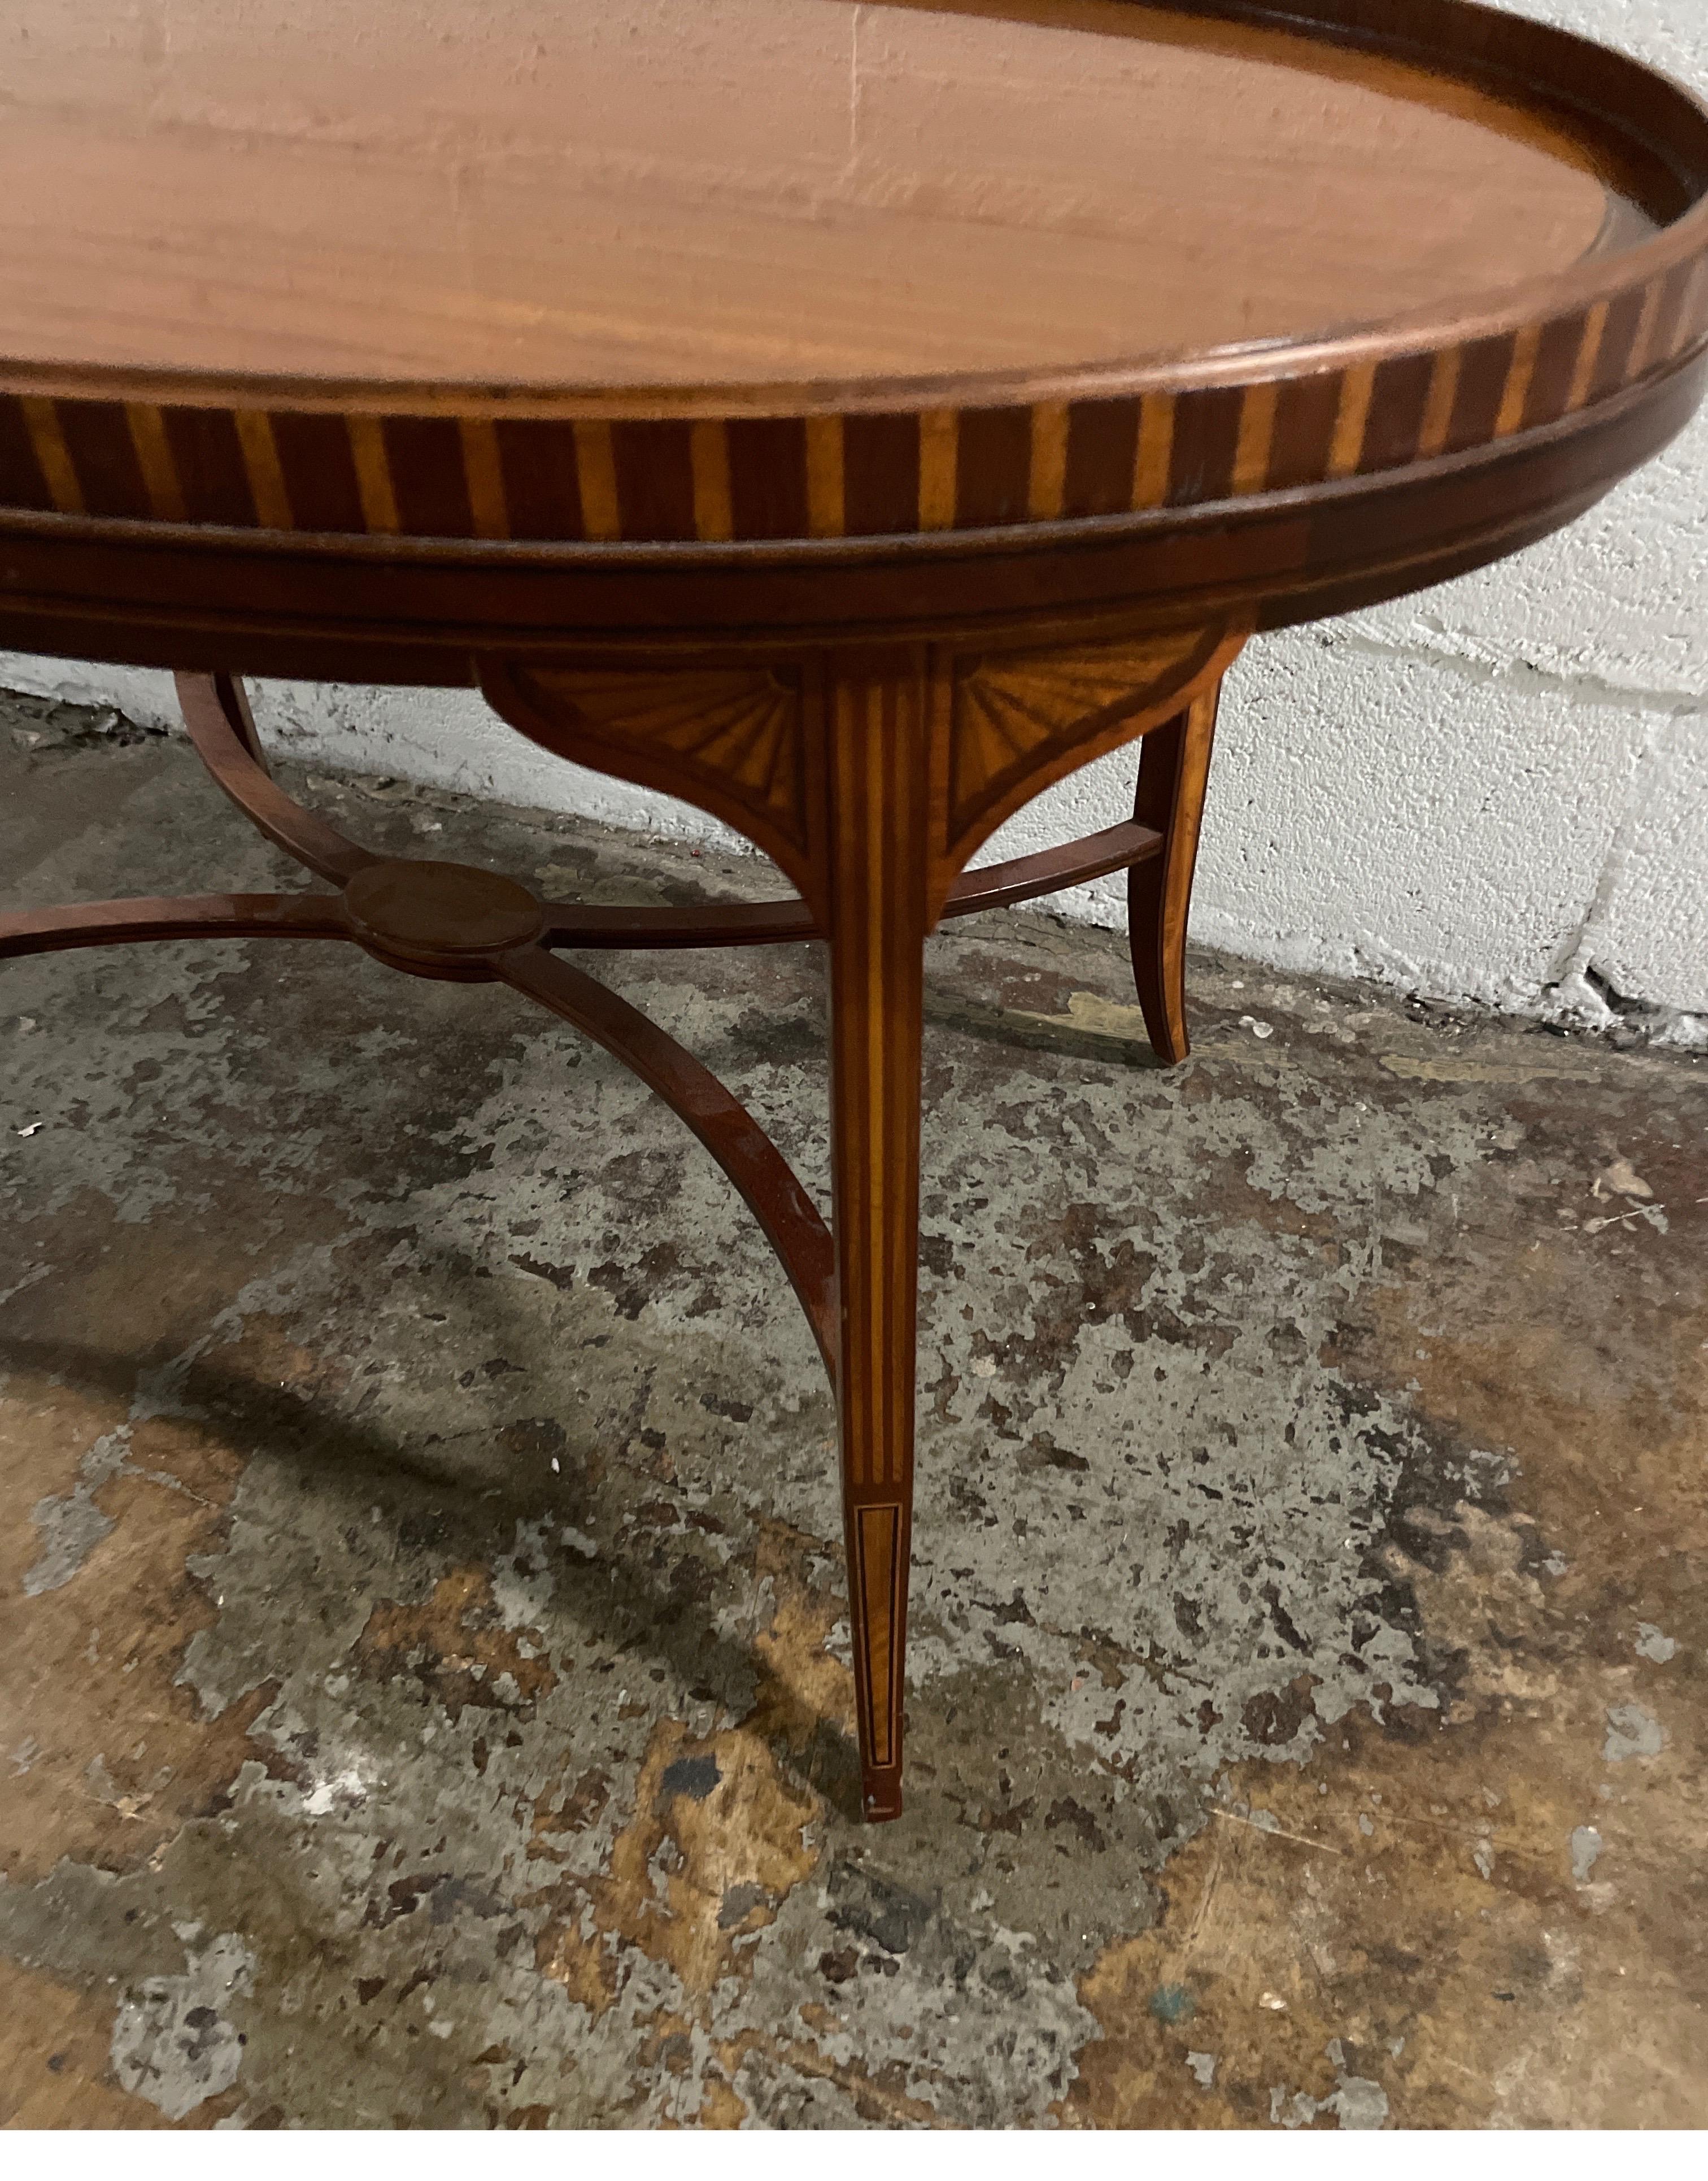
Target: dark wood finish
x=454 y=922
x=382 y=610
x=882 y=762
x=891 y=725
x=858 y=563
x=190 y=916
x=1051 y=870
x=1447 y=225
x=1173 y=776
x=232 y=699
x=715 y=924
x=1041 y=164
x=439 y=919
x=223 y=729
x=790 y=1218
x=766 y=923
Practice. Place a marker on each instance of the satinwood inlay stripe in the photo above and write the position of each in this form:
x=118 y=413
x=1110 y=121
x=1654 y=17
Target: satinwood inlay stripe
x=596 y=471
x=878 y=1530
x=1153 y=457
x=1046 y=496
x=1256 y=420
x=864 y=474
x=1352 y=416
x=1438 y=410
x=22 y=484
x=1613 y=365
x=826 y=512
x=1674 y=288
x=939 y=468
x=1515 y=394
x=1692 y=306
x=373 y=476
x=483 y=475
x=42 y=420
x=261 y=463
x=874 y=763
x=154 y=459
x=1589 y=356
x=708 y=455
x=1648 y=322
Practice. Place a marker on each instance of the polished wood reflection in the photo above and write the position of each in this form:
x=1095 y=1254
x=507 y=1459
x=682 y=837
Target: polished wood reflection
x=782 y=270
x=851 y=420
x=748 y=189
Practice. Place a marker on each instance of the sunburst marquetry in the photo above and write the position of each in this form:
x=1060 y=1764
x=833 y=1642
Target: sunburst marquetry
x=731 y=739
x=1014 y=714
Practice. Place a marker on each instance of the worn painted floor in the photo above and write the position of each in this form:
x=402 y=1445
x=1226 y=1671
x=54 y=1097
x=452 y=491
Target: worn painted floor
x=424 y=1695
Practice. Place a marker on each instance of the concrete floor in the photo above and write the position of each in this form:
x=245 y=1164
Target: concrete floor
x=424 y=1695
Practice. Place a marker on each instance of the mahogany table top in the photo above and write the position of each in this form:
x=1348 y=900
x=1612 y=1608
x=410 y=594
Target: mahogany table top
x=629 y=193
x=854 y=420
x=807 y=275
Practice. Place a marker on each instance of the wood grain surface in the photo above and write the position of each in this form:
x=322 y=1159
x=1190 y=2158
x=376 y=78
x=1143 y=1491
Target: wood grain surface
x=849 y=419
x=614 y=192
x=797 y=269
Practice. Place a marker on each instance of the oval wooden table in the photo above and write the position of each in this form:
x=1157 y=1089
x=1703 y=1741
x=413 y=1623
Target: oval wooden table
x=851 y=419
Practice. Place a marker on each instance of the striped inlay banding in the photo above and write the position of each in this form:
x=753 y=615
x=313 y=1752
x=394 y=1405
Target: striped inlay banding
x=373 y=476
x=939 y=443
x=262 y=471
x=154 y=459
x=596 y=470
x=867 y=474
x=1046 y=489
x=826 y=515
x=41 y=422
x=1154 y=454
x=483 y=472
x=708 y=448
x=1352 y=415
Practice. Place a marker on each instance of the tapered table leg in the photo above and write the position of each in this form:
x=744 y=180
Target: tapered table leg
x=874 y=787
x=1173 y=774
x=878 y=782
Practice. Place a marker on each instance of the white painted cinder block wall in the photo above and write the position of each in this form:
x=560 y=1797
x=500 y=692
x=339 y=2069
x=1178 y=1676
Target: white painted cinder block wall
x=1497 y=791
